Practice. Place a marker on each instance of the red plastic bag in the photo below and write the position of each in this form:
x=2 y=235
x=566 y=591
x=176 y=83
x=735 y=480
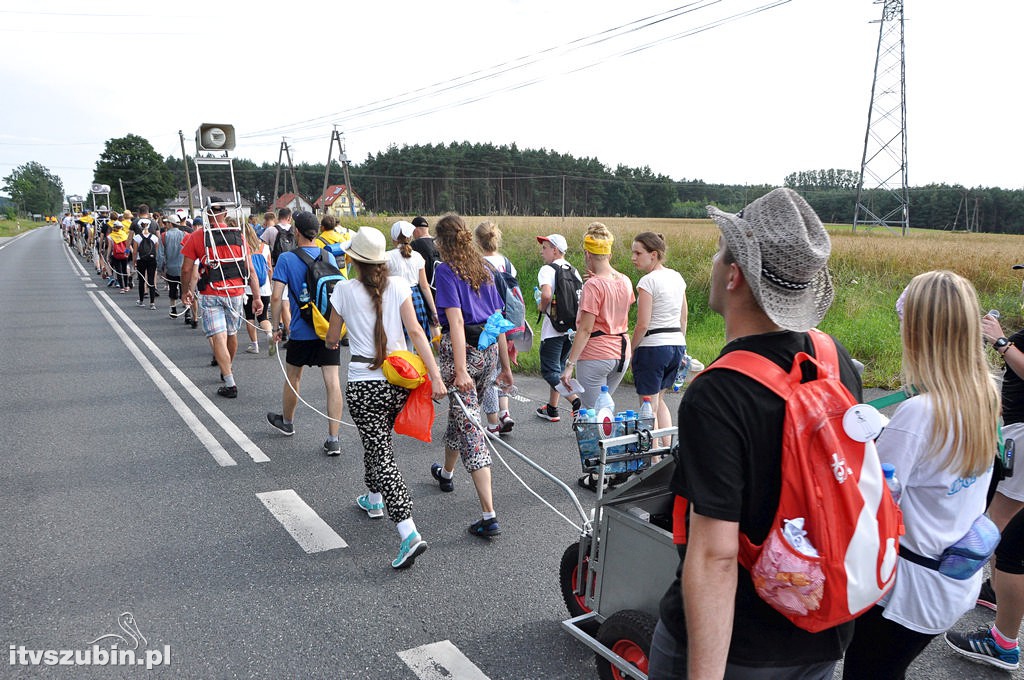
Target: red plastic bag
x=417 y=417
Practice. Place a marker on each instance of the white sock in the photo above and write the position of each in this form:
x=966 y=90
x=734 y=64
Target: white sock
x=445 y=474
x=406 y=528
x=490 y=515
x=376 y=498
x=229 y=380
x=504 y=414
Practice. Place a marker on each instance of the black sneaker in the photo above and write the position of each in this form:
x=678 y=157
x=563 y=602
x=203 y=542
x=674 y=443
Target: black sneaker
x=276 y=421
x=332 y=448
x=987 y=596
x=485 y=528
x=981 y=646
x=229 y=392
x=447 y=485
x=548 y=412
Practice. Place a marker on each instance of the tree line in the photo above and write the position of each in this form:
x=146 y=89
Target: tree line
x=484 y=179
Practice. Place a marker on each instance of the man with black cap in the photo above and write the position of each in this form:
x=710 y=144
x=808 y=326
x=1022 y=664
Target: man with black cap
x=305 y=348
x=770 y=282
x=423 y=243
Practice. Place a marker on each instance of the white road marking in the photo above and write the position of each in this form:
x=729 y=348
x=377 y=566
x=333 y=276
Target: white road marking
x=307 y=528
x=441 y=661
x=205 y=436
x=18 y=237
x=243 y=441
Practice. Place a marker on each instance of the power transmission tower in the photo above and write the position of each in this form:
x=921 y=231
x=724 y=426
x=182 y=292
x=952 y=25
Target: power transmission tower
x=287 y=154
x=343 y=158
x=882 y=197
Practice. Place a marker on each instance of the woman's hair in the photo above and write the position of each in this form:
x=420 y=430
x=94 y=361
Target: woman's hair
x=597 y=231
x=255 y=244
x=488 y=237
x=231 y=222
x=404 y=247
x=944 y=357
x=652 y=243
x=455 y=243
x=374 y=278
x=328 y=222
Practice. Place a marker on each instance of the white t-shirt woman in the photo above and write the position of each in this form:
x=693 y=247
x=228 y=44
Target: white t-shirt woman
x=668 y=294
x=356 y=307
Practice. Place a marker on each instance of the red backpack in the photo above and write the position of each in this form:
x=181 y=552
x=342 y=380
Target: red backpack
x=835 y=484
x=119 y=250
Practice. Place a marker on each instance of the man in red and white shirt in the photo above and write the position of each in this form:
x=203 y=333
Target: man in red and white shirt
x=224 y=275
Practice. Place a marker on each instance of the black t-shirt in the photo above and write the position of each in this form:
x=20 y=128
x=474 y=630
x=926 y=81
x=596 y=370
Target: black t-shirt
x=1013 y=388
x=730 y=457
x=426 y=247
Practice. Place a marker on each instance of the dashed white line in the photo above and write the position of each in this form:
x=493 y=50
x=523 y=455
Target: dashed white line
x=308 y=529
x=441 y=661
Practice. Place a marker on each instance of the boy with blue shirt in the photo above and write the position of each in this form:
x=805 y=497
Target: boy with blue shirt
x=305 y=348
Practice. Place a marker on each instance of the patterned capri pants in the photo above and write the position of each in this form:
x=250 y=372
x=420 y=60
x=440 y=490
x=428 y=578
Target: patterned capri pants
x=374 y=405
x=462 y=436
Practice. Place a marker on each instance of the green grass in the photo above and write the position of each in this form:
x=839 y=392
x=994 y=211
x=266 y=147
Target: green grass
x=15 y=227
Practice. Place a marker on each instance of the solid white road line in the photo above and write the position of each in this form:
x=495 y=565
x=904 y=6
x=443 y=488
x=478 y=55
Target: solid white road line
x=441 y=661
x=243 y=441
x=301 y=521
x=205 y=436
x=75 y=264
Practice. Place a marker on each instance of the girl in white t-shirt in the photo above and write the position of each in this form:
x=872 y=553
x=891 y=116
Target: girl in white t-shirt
x=406 y=263
x=376 y=308
x=659 y=337
x=259 y=249
x=942 y=444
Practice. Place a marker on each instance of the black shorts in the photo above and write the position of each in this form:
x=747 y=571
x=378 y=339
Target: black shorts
x=248 y=308
x=312 y=353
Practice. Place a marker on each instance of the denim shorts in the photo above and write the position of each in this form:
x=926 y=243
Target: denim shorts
x=221 y=314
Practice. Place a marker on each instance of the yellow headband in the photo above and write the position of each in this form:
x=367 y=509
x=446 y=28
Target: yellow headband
x=596 y=246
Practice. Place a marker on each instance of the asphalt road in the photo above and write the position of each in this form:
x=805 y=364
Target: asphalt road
x=128 y=486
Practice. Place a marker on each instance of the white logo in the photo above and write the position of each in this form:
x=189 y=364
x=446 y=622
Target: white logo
x=839 y=469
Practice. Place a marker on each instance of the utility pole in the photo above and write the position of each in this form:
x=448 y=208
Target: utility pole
x=188 y=178
x=883 y=166
x=124 y=203
x=287 y=154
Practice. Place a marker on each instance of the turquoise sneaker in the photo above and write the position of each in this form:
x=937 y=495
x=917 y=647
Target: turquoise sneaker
x=410 y=549
x=374 y=510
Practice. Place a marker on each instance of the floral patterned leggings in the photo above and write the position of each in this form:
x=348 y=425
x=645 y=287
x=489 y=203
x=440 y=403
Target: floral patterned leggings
x=374 y=405
x=461 y=435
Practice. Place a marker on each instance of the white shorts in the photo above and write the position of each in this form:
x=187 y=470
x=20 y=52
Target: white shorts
x=1013 y=487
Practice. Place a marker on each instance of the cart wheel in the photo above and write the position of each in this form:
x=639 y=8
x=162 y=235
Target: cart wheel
x=576 y=604
x=628 y=633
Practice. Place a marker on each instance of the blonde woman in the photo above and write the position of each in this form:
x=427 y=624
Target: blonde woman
x=467 y=297
x=259 y=254
x=495 y=404
x=942 y=444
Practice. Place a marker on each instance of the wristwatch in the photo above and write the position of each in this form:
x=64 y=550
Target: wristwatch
x=1000 y=344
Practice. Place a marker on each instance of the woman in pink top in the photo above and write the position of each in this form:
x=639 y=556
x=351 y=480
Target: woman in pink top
x=601 y=350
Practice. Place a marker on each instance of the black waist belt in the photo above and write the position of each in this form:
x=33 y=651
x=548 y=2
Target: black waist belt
x=652 y=331
x=621 y=366
x=911 y=556
x=472 y=331
x=360 y=360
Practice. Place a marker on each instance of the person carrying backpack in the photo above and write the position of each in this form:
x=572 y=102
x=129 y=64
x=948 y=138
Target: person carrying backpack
x=120 y=248
x=305 y=347
x=145 y=246
x=771 y=284
x=558 y=314
x=281 y=239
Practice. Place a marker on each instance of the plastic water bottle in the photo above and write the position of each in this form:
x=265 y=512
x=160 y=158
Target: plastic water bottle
x=994 y=313
x=605 y=408
x=892 y=481
x=681 y=372
x=646 y=416
x=536 y=295
x=586 y=434
x=304 y=295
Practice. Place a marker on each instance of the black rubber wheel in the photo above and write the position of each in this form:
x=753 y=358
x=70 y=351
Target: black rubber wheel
x=628 y=633
x=567 y=580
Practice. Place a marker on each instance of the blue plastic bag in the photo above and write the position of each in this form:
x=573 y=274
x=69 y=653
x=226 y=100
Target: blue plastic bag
x=495 y=326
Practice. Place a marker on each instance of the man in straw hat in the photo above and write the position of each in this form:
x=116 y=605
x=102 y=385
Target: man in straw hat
x=770 y=282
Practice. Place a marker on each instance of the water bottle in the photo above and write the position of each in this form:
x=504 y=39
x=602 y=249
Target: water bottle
x=893 y=482
x=605 y=408
x=304 y=295
x=586 y=435
x=681 y=372
x=536 y=296
x=646 y=416
x=994 y=313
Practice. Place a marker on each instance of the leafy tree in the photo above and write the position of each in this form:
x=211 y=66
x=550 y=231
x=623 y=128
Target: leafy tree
x=35 y=189
x=141 y=170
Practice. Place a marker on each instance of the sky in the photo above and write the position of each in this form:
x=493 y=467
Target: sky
x=716 y=90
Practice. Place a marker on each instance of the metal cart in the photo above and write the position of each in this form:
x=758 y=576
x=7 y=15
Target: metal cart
x=613 y=578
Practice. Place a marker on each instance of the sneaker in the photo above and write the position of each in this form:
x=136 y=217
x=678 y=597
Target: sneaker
x=987 y=596
x=410 y=549
x=548 y=412
x=374 y=510
x=446 y=485
x=981 y=646
x=332 y=448
x=194 y=324
x=139 y=303
x=173 y=314
x=485 y=528
x=253 y=348
x=229 y=392
x=276 y=421
x=506 y=423
x=272 y=349
x=152 y=305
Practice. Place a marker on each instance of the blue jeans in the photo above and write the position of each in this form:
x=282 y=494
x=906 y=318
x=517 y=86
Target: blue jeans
x=553 y=354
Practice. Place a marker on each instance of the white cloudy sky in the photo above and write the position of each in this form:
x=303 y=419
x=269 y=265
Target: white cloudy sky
x=746 y=101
